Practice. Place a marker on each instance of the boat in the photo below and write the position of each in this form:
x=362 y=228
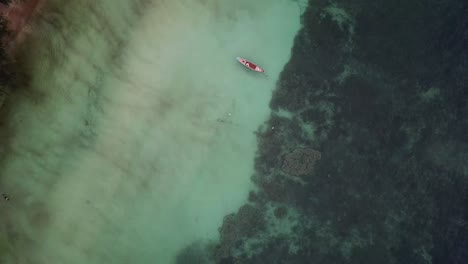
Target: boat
x=250 y=65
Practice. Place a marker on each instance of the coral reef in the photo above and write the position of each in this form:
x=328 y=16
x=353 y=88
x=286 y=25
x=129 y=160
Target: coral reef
x=236 y=228
x=300 y=161
x=197 y=252
x=281 y=212
x=378 y=93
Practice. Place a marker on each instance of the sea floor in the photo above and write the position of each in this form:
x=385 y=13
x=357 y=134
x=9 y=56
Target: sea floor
x=134 y=133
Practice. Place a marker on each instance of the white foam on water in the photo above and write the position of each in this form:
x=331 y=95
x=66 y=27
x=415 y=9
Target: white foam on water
x=136 y=135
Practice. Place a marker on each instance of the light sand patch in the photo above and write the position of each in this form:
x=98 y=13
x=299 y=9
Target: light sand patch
x=128 y=159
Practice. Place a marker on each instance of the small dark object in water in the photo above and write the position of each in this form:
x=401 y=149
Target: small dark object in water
x=5 y=197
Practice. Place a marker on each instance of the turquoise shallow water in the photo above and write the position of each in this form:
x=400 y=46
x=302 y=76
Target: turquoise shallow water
x=135 y=133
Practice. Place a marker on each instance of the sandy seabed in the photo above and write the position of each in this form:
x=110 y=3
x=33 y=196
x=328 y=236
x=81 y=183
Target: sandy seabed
x=134 y=135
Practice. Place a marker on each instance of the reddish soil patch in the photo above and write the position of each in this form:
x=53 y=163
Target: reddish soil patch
x=18 y=14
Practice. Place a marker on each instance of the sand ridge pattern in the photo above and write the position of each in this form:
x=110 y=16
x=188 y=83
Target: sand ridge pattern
x=113 y=152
